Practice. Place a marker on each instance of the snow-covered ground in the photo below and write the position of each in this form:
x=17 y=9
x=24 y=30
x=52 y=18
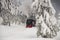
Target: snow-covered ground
x=19 y=32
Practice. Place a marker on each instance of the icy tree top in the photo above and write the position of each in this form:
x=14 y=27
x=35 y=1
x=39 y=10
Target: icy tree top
x=45 y=3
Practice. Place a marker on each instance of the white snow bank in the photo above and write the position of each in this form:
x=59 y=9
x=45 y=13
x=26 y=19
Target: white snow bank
x=58 y=36
x=19 y=33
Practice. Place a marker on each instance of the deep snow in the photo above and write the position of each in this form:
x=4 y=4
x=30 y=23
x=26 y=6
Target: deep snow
x=19 y=32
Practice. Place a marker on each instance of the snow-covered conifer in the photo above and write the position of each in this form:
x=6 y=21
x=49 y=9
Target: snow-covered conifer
x=45 y=18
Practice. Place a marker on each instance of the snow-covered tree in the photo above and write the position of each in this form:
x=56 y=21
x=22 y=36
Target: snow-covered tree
x=46 y=22
x=11 y=12
x=5 y=11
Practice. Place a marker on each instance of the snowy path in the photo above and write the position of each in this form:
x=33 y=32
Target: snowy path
x=18 y=33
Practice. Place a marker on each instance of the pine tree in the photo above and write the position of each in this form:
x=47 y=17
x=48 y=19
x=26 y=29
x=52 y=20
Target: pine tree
x=46 y=23
x=5 y=12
